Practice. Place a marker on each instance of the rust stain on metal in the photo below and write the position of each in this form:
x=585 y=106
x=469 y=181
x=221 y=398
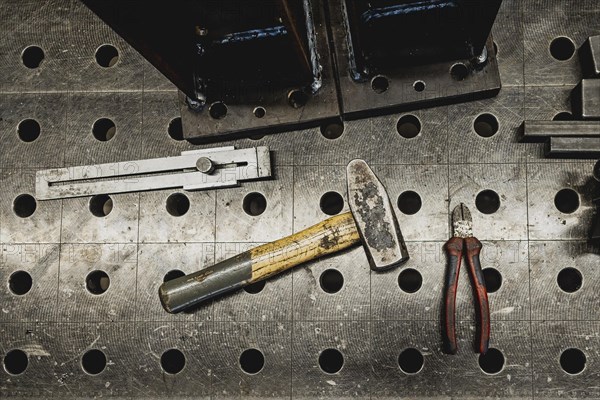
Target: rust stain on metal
x=371 y=208
x=201 y=277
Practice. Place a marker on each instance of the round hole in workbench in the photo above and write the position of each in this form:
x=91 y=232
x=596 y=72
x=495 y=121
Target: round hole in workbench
x=297 y=98
x=493 y=279
x=491 y=362
x=597 y=171
x=459 y=72
x=332 y=130
x=331 y=281
x=563 y=116
x=32 y=57
x=107 y=56
x=104 y=129
x=24 y=205
x=410 y=280
x=217 y=110
x=573 y=361
x=16 y=362
x=411 y=361
x=20 y=282
x=173 y=274
x=409 y=202
x=380 y=84
x=487 y=202
x=255 y=287
x=419 y=86
x=259 y=112
x=569 y=280
x=172 y=361
x=97 y=282
x=252 y=361
x=331 y=203
x=178 y=204
x=28 y=130
x=566 y=201
x=93 y=362
x=331 y=361
x=562 y=48
x=486 y=125
x=101 y=205
x=254 y=204
x=408 y=126
x=175 y=129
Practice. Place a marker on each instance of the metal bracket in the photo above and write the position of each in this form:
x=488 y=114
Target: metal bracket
x=193 y=170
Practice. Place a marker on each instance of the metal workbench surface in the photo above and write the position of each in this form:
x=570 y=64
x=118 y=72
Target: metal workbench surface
x=371 y=320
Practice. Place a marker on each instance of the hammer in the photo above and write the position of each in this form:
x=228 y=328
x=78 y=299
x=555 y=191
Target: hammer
x=371 y=222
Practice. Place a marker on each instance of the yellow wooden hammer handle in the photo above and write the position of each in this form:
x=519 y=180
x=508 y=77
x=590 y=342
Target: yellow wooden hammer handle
x=328 y=237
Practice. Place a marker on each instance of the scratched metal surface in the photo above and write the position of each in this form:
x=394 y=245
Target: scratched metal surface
x=371 y=321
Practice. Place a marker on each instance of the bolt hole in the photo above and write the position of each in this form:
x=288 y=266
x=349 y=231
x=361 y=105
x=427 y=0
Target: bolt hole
x=573 y=361
x=408 y=126
x=178 y=204
x=563 y=116
x=409 y=202
x=331 y=203
x=172 y=361
x=24 y=205
x=256 y=137
x=254 y=204
x=32 y=57
x=410 y=280
x=491 y=362
x=496 y=49
x=331 y=281
x=566 y=201
x=562 y=48
x=217 y=110
x=493 y=279
x=332 y=130
x=107 y=56
x=28 y=130
x=331 y=361
x=173 y=274
x=175 y=129
x=260 y=112
x=16 y=362
x=297 y=98
x=20 y=283
x=487 y=202
x=101 y=205
x=255 y=287
x=97 y=282
x=93 y=362
x=380 y=84
x=411 y=361
x=252 y=361
x=419 y=86
x=459 y=72
x=104 y=129
x=486 y=125
x=569 y=280
x=597 y=171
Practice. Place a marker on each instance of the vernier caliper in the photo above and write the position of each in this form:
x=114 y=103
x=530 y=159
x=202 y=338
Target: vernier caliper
x=192 y=170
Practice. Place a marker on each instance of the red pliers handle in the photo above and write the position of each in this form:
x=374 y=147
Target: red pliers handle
x=454 y=249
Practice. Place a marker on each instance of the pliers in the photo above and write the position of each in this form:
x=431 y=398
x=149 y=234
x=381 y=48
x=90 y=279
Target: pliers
x=462 y=226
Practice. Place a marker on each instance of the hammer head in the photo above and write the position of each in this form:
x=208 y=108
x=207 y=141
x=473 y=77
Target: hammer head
x=375 y=218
